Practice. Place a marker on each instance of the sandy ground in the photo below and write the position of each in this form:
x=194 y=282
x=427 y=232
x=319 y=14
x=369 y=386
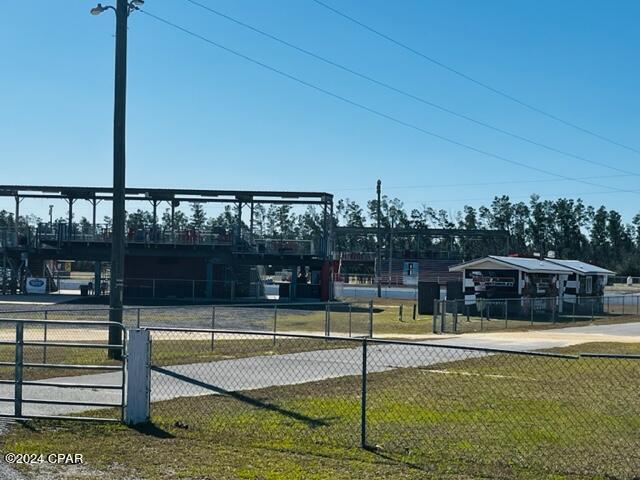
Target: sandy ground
x=620 y=333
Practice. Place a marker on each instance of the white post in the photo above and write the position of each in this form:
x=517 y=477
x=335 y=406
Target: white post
x=138 y=374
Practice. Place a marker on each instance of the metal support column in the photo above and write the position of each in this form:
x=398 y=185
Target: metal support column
x=251 y=220
x=238 y=226
x=94 y=204
x=70 y=201
x=17 y=215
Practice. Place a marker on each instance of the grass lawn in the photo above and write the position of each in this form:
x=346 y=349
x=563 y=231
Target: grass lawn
x=386 y=320
x=496 y=416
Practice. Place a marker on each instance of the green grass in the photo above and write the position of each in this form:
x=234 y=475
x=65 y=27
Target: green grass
x=386 y=320
x=498 y=416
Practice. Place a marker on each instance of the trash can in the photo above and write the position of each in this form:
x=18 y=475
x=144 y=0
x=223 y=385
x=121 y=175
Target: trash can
x=84 y=290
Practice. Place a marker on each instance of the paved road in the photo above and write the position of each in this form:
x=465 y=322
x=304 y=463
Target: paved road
x=287 y=369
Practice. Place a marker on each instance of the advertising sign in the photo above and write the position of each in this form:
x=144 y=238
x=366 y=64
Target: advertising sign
x=36 y=285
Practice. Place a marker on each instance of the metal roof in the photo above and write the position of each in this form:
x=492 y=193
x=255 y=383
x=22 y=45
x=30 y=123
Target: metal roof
x=530 y=265
x=537 y=265
x=581 y=267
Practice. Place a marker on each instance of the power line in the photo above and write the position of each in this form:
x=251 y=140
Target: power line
x=473 y=184
x=404 y=92
x=576 y=196
x=372 y=110
x=517 y=197
x=474 y=80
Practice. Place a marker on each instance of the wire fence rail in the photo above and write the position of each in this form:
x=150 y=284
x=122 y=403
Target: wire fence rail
x=328 y=318
x=460 y=316
x=479 y=411
x=361 y=318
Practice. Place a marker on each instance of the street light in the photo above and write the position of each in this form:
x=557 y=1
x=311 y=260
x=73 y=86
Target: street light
x=122 y=10
x=98 y=9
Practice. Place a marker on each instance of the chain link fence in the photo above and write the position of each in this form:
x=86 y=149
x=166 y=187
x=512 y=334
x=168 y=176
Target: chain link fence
x=461 y=316
x=473 y=411
x=328 y=318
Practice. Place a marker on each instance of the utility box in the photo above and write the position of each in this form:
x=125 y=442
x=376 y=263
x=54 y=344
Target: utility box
x=454 y=290
x=427 y=293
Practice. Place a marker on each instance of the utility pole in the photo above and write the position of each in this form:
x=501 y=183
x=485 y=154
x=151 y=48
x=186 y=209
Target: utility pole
x=378 y=240
x=122 y=10
x=117 y=237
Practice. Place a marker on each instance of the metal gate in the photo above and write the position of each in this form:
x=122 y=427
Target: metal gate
x=61 y=369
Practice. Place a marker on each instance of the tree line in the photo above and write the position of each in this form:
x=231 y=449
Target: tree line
x=566 y=226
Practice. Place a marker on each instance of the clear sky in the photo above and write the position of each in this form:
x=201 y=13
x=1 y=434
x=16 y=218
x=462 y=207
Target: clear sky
x=199 y=117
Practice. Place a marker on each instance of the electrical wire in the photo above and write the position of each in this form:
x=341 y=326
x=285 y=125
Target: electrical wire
x=404 y=92
x=476 y=81
x=372 y=110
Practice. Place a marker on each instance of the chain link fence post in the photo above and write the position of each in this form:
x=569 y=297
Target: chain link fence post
x=506 y=315
x=532 y=306
x=350 y=318
x=45 y=334
x=415 y=311
x=435 y=315
x=18 y=369
x=138 y=317
x=213 y=324
x=455 y=316
x=575 y=300
x=363 y=399
x=370 y=318
x=327 y=320
x=400 y=312
x=275 y=322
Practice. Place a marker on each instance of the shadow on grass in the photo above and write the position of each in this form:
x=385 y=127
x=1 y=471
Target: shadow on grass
x=152 y=430
x=309 y=421
x=395 y=459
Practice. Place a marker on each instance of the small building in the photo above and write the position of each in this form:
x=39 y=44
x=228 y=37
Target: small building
x=510 y=277
x=585 y=279
x=500 y=277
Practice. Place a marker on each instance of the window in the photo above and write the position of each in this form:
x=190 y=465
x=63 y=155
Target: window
x=589 y=285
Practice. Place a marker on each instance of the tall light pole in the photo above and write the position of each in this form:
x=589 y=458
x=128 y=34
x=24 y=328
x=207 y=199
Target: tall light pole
x=122 y=10
x=378 y=240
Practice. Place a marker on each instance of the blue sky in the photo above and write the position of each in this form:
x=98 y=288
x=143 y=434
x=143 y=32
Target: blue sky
x=200 y=117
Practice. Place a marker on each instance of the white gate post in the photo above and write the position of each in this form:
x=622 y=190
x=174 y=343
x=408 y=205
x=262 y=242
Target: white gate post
x=138 y=374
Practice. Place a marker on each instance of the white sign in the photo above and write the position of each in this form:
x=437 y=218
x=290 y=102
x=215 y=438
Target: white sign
x=36 y=285
x=410 y=273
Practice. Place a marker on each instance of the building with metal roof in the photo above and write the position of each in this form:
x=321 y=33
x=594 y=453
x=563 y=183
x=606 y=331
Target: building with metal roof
x=501 y=277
